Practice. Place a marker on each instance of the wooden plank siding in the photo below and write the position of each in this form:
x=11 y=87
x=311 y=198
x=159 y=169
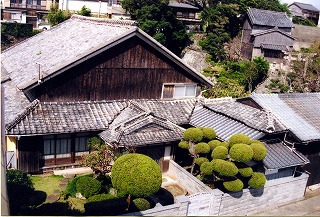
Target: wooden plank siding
x=131 y=70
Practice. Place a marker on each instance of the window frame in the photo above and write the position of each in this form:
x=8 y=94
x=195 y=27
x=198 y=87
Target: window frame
x=179 y=85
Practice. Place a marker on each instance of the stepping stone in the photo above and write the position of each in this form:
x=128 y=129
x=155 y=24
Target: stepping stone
x=55 y=192
x=64 y=180
x=63 y=186
x=53 y=198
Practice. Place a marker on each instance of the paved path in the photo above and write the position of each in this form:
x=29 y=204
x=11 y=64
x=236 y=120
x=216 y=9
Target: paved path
x=309 y=206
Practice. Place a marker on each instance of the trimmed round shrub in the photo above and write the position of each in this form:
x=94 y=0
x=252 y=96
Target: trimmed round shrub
x=88 y=186
x=224 y=168
x=136 y=174
x=241 y=152
x=259 y=151
x=257 y=180
x=202 y=148
x=233 y=186
x=206 y=168
x=239 y=138
x=225 y=144
x=213 y=144
x=193 y=134
x=201 y=160
x=105 y=204
x=255 y=141
x=209 y=133
x=184 y=145
x=245 y=172
x=220 y=152
x=140 y=204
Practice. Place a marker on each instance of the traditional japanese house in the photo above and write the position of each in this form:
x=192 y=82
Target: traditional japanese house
x=267 y=34
x=70 y=82
x=305 y=11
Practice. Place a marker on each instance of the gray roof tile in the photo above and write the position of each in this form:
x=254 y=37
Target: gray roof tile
x=299 y=112
x=305 y=6
x=281 y=156
x=269 y=18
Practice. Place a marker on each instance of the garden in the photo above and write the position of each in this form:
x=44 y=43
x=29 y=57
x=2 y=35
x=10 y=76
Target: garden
x=135 y=185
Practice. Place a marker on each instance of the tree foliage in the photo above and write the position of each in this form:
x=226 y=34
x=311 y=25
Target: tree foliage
x=158 y=20
x=84 y=11
x=56 y=15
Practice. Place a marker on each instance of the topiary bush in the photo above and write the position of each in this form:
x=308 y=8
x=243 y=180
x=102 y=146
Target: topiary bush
x=257 y=180
x=140 y=204
x=88 y=186
x=255 y=141
x=193 y=134
x=234 y=186
x=105 y=204
x=239 y=138
x=136 y=175
x=202 y=148
x=245 y=172
x=184 y=145
x=224 y=168
x=206 y=168
x=201 y=160
x=208 y=133
x=241 y=152
x=259 y=151
x=220 y=152
x=213 y=144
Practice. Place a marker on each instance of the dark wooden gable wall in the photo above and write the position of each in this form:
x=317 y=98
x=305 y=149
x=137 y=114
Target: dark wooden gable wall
x=131 y=70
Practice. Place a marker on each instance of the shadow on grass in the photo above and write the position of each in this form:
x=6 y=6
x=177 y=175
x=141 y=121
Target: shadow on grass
x=52 y=209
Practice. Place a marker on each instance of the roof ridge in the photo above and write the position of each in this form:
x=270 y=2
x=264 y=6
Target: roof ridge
x=104 y=20
x=22 y=115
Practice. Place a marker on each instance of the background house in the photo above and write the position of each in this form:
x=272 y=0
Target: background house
x=267 y=34
x=305 y=11
x=60 y=86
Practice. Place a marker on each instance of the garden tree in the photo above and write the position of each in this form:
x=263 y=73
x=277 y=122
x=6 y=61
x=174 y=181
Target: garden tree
x=101 y=157
x=158 y=20
x=56 y=16
x=302 y=21
x=136 y=175
x=227 y=162
x=84 y=11
x=192 y=138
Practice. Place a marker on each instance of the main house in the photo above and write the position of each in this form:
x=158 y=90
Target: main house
x=305 y=11
x=266 y=33
x=60 y=86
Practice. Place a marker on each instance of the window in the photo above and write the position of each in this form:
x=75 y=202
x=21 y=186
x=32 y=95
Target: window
x=56 y=146
x=179 y=91
x=49 y=147
x=81 y=141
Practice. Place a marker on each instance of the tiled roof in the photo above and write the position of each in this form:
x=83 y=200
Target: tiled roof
x=281 y=156
x=275 y=29
x=305 y=6
x=65 y=117
x=269 y=18
x=141 y=130
x=224 y=126
x=181 y=5
x=299 y=112
x=275 y=47
x=252 y=117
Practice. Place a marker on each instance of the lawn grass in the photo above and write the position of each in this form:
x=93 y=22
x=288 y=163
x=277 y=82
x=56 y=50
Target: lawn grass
x=46 y=183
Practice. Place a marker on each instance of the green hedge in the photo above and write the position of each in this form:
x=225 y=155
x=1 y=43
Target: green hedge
x=140 y=204
x=193 y=134
x=206 y=168
x=234 y=186
x=241 y=152
x=19 y=30
x=71 y=188
x=259 y=151
x=202 y=148
x=201 y=160
x=239 y=138
x=208 y=133
x=184 y=145
x=257 y=180
x=105 y=204
x=136 y=175
x=88 y=186
x=224 y=168
x=246 y=172
x=220 y=152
